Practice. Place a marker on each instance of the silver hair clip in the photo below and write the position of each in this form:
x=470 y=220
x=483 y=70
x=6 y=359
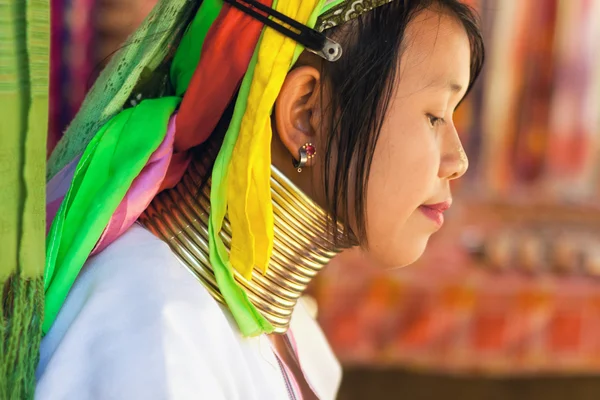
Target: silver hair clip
x=313 y=41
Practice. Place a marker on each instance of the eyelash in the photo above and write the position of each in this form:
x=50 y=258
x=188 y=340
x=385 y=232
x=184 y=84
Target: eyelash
x=435 y=121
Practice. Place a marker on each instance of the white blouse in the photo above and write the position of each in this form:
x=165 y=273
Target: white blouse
x=138 y=325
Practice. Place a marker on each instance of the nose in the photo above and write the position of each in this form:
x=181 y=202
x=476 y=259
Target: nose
x=454 y=162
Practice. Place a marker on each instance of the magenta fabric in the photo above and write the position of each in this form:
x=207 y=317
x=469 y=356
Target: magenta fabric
x=292 y=340
x=56 y=28
x=143 y=189
x=56 y=190
x=51 y=210
x=291 y=378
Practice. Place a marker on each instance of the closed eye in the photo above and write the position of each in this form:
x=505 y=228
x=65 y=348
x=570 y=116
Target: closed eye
x=435 y=121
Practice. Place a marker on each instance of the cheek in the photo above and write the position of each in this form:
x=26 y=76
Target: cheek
x=403 y=176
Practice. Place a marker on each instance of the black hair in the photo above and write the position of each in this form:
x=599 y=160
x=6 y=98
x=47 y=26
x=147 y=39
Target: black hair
x=360 y=86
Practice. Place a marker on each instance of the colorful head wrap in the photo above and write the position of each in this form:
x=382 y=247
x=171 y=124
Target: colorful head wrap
x=145 y=149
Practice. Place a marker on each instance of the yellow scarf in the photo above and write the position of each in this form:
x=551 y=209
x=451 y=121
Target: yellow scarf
x=249 y=195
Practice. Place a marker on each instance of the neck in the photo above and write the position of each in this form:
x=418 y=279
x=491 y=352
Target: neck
x=302 y=242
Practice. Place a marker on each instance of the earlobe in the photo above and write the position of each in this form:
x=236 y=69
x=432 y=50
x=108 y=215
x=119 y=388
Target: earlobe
x=295 y=107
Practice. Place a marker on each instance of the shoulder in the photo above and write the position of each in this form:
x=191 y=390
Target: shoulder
x=138 y=281
x=137 y=320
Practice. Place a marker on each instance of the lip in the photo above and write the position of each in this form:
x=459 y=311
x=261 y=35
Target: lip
x=435 y=212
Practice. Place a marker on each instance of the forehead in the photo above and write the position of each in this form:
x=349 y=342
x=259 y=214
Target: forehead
x=436 y=52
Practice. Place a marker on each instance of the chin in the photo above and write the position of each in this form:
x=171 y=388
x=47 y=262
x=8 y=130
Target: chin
x=414 y=258
x=402 y=255
x=411 y=251
x=411 y=257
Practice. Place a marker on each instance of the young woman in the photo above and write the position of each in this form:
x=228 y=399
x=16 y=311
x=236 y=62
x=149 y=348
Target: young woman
x=249 y=163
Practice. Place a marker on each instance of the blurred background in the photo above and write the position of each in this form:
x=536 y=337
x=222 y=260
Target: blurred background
x=505 y=304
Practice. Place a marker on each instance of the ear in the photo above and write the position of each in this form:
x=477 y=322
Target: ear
x=295 y=109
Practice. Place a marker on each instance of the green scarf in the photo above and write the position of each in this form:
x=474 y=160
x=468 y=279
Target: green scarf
x=24 y=57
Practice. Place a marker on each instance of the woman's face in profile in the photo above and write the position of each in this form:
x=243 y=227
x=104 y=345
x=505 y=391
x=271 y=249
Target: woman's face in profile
x=418 y=152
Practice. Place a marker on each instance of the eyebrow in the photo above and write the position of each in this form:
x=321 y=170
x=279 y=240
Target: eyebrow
x=454 y=87
x=445 y=84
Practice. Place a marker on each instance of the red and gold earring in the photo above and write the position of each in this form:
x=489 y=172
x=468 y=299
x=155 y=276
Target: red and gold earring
x=306 y=152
